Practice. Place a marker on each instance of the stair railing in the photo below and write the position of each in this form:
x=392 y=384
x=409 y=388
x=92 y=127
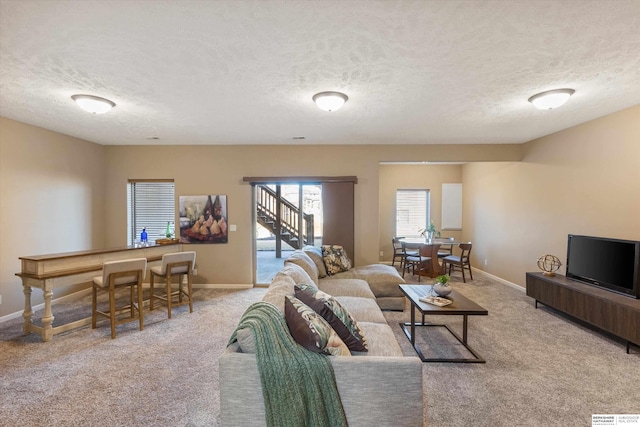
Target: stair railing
x=269 y=205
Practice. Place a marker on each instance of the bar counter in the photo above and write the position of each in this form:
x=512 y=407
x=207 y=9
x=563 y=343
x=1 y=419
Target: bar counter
x=48 y=272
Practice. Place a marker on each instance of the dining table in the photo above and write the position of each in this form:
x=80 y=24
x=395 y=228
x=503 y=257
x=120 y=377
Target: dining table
x=429 y=248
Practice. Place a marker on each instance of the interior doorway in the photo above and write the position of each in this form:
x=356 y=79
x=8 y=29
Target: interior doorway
x=288 y=217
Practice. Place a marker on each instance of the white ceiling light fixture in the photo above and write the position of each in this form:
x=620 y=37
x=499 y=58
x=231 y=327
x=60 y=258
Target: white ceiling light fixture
x=330 y=101
x=551 y=98
x=93 y=104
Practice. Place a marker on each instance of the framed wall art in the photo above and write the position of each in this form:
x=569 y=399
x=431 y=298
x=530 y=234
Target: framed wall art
x=203 y=219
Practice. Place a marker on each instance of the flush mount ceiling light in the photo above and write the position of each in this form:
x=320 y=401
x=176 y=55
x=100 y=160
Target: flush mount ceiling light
x=93 y=104
x=551 y=98
x=330 y=101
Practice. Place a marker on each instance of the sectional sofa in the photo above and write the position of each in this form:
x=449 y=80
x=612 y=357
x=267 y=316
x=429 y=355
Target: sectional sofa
x=376 y=387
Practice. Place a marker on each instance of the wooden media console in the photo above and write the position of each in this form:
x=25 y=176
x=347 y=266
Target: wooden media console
x=606 y=310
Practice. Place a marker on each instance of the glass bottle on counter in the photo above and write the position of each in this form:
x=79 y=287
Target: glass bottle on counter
x=144 y=238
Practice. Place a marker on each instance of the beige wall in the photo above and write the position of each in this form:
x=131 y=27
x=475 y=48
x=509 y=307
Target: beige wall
x=62 y=194
x=584 y=180
x=220 y=169
x=423 y=177
x=51 y=201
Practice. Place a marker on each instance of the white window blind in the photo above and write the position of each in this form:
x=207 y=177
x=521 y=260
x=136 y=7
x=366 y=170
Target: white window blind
x=150 y=205
x=412 y=212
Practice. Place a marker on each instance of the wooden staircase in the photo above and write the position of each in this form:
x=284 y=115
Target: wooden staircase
x=283 y=219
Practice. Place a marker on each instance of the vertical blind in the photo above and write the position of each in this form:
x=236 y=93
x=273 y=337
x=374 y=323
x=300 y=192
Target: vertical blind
x=412 y=212
x=150 y=205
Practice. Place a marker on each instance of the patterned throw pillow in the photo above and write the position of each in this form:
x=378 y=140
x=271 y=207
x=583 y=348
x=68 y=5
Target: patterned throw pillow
x=335 y=259
x=333 y=312
x=311 y=331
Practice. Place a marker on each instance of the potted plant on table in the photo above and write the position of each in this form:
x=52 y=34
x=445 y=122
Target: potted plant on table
x=429 y=232
x=441 y=287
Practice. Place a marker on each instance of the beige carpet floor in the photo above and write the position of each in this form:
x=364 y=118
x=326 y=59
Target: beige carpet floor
x=541 y=370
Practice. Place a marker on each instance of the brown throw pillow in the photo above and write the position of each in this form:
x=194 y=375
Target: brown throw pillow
x=335 y=314
x=311 y=331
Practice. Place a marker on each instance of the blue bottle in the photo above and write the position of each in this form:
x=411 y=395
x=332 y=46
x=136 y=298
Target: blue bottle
x=143 y=236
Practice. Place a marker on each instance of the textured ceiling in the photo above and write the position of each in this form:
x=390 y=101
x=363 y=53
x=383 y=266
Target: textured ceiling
x=244 y=72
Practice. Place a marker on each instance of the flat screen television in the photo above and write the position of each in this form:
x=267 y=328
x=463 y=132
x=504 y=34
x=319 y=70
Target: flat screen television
x=612 y=264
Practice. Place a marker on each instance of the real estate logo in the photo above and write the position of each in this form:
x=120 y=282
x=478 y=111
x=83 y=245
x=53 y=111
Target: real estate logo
x=627 y=420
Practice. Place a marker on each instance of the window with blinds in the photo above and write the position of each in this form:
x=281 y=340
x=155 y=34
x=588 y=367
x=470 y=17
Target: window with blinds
x=412 y=212
x=150 y=205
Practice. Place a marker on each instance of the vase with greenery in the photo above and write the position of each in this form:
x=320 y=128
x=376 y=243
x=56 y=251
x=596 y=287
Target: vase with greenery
x=441 y=287
x=431 y=231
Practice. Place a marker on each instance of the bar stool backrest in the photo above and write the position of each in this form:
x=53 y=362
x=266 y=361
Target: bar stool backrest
x=111 y=267
x=177 y=257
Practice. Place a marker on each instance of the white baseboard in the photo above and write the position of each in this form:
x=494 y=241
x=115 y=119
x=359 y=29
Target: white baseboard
x=499 y=279
x=491 y=276
x=17 y=314
x=41 y=306
x=223 y=286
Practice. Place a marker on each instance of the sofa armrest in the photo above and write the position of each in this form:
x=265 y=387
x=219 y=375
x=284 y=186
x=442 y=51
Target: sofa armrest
x=241 y=402
x=380 y=391
x=384 y=391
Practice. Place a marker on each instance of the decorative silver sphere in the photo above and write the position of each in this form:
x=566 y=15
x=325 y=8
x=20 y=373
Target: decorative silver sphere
x=549 y=264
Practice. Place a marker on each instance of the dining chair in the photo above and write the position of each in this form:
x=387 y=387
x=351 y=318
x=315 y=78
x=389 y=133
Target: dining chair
x=400 y=252
x=461 y=261
x=116 y=275
x=413 y=261
x=446 y=249
x=173 y=264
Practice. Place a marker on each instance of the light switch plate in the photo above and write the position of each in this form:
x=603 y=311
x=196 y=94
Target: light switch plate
x=232 y=227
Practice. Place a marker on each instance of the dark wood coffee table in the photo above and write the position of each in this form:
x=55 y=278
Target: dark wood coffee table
x=461 y=306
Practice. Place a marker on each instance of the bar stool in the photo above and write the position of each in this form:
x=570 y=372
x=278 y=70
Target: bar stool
x=116 y=275
x=174 y=264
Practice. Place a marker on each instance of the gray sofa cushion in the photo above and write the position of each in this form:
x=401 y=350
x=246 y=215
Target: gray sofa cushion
x=297 y=273
x=315 y=254
x=303 y=260
x=363 y=309
x=380 y=339
x=281 y=286
x=346 y=287
x=382 y=279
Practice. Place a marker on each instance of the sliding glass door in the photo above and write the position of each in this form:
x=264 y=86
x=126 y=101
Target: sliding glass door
x=288 y=217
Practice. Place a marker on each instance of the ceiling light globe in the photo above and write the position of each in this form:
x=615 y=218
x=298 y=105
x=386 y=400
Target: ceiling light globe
x=551 y=98
x=330 y=101
x=93 y=104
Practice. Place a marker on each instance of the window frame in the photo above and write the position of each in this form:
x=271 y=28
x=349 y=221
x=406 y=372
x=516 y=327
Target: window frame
x=140 y=195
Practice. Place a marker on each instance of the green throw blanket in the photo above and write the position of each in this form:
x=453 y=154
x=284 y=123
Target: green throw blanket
x=298 y=386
